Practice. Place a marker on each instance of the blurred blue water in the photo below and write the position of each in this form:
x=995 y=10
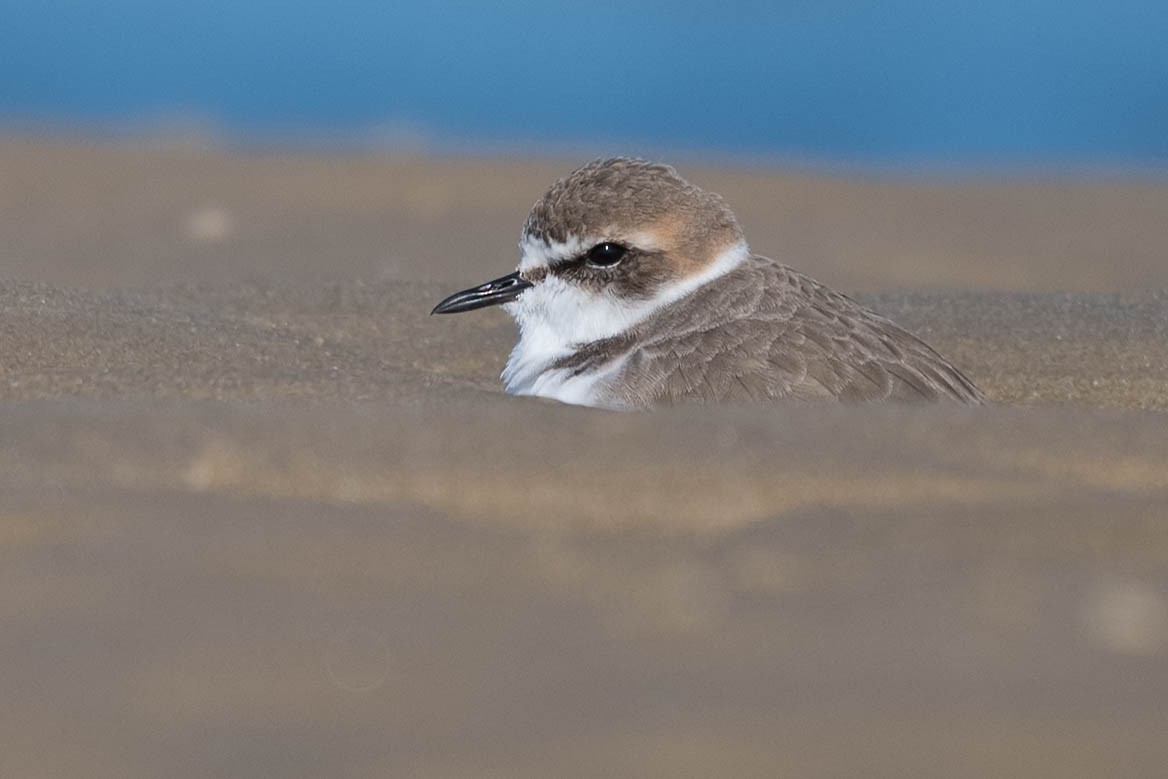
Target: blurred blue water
x=879 y=81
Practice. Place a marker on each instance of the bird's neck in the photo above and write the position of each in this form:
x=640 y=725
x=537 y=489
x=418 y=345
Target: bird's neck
x=556 y=318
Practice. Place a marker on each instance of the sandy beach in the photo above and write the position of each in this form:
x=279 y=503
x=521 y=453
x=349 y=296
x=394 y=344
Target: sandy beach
x=261 y=515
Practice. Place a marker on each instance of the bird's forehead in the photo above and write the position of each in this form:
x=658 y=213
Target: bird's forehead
x=537 y=252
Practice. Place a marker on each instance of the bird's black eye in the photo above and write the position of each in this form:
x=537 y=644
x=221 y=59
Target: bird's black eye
x=607 y=254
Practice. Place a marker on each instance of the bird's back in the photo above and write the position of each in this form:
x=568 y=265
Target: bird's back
x=762 y=332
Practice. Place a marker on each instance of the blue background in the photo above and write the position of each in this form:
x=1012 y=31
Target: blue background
x=885 y=81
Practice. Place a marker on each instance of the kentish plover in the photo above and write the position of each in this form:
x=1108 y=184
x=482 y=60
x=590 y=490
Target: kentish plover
x=636 y=288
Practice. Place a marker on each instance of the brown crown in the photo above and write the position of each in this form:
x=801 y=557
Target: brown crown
x=632 y=196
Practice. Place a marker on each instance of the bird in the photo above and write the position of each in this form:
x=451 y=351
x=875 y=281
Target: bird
x=636 y=289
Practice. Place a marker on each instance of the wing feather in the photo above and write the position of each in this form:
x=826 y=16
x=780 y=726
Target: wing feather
x=766 y=332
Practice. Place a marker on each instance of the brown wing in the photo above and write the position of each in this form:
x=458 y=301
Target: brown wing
x=765 y=332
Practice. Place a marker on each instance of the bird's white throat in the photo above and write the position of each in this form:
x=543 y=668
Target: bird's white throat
x=555 y=318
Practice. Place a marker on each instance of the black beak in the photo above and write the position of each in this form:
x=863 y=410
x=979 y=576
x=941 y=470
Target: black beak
x=492 y=293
